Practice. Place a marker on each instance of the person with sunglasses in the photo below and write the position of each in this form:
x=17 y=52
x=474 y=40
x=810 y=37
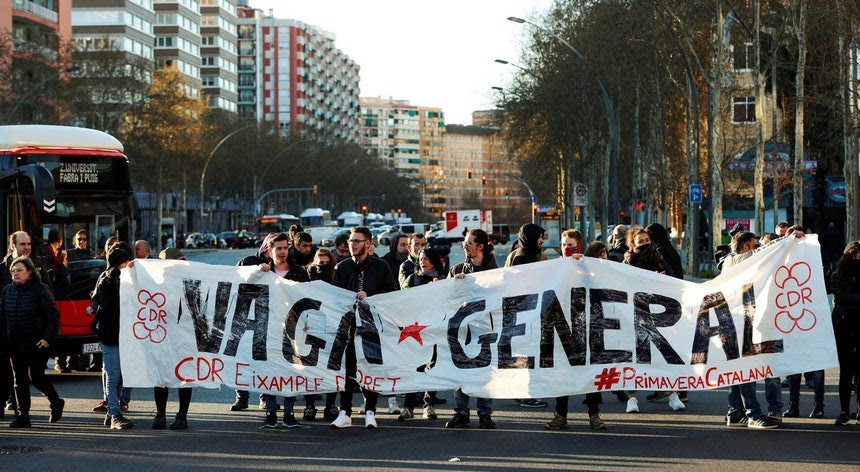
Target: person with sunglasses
x=80 y=251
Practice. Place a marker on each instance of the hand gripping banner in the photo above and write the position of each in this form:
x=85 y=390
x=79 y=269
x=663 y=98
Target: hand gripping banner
x=546 y=329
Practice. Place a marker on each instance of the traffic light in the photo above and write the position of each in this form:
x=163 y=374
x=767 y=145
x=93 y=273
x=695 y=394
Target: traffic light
x=638 y=206
x=507 y=197
x=364 y=210
x=469 y=173
x=316 y=189
x=383 y=197
x=621 y=212
x=483 y=180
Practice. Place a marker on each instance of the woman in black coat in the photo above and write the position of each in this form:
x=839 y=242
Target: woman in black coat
x=846 y=325
x=28 y=324
x=428 y=270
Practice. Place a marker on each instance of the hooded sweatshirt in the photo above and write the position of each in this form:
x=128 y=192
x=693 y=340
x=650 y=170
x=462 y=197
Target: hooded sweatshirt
x=660 y=238
x=106 y=321
x=529 y=250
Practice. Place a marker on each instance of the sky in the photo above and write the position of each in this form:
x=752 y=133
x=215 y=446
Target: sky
x=438 y=53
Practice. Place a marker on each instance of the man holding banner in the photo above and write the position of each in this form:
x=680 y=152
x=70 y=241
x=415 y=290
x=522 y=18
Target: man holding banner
x=367 y=276
x=282 y=266
x=479 y=257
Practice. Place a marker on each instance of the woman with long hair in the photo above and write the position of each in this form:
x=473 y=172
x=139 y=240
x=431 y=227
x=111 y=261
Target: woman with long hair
x=321 y=268
x=429 y=270
x=846 y=325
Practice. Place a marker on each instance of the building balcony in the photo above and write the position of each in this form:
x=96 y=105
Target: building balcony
x=36 y=9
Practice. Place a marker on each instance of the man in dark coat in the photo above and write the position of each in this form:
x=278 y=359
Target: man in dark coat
x=619 y=243
x=366 y=276
x=530 y=239
x=397 y=254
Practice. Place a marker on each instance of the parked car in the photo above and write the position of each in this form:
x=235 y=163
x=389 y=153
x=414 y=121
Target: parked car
x=196 y=241
x=328 y=241
x=212 y=240
x=227 y=238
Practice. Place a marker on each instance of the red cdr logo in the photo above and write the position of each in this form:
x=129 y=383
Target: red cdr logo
x=792 y=300
x=151 y=321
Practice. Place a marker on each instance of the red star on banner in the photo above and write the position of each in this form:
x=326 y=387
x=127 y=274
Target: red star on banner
x=411 y=331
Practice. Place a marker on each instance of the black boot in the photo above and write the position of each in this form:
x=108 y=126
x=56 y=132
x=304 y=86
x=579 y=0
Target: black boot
x=181 y=422
x=793 y=411
x=57 y=410
x=22 y=421
x=818 y=411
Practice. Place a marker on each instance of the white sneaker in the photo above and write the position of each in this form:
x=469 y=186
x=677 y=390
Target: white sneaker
x=429 y=413
x=342 y=420
x=363 y=403
x=393 y=408
x=632 y=405
x=370 y=420
x=675 y=403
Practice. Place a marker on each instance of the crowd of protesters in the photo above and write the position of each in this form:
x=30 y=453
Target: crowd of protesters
x=29 y=320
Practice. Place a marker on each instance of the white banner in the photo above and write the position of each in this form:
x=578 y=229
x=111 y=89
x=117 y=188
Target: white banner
x=538 y=330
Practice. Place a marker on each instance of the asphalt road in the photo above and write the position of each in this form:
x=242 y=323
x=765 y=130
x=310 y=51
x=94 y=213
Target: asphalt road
x=655 y=439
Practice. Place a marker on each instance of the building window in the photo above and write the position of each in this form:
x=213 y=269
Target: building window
x=743 y=57
x=208 y=61
x=743 y=110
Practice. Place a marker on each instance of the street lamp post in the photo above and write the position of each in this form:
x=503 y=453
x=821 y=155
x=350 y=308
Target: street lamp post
x=607 y=103
x=206 y=166
x=532 y=198
x=524 y=69
x=27 y=95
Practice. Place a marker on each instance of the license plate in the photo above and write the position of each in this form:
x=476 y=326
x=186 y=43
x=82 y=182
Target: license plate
x=92 y=347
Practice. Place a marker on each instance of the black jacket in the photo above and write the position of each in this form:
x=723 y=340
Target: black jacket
x=468 y=267
x=846 y=292
x=660 y=238
x=373 y=276
x=296 y=272
x=6 y=276
x=617 y=252
x=27 y=314
x=106 y=321
x=407 y=271
x=529 y=249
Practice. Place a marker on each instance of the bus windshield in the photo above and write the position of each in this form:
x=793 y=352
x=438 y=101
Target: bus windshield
x=72 y=184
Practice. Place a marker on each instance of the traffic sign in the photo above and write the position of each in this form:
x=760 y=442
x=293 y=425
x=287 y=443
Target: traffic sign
x=580 y=195
x=695 y=193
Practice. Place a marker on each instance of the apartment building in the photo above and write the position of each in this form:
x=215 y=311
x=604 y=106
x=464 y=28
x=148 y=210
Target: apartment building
x=32 y=26
x=219 y=54
x=392 y=129
x=477 y=171
x=292 y=75
x=177 y=40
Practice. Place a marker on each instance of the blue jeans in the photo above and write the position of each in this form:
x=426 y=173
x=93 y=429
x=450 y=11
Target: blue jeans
x=773 y=394
x=485 y=405
x=113 y=374
x=743 y=402
x=272 y=404
x=124 y=392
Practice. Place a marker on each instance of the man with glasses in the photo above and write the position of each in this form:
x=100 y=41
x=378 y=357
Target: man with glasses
x=80 y=252
x=479 y=257
x=366 y=276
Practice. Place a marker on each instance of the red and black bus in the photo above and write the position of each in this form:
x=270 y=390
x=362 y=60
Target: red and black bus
x=66 y=179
